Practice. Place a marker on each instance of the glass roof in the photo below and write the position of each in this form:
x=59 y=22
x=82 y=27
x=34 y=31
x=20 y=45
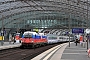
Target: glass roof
x=44 y=13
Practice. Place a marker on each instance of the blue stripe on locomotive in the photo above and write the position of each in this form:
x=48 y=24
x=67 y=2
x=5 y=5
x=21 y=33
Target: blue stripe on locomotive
x=44 y=36
x=36 y=37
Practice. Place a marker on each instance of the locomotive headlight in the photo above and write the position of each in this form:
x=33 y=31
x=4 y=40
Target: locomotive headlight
x=32 y=41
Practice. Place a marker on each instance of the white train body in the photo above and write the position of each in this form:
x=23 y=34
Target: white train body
x=51 y=38
x=64 y=38
x=55 y=38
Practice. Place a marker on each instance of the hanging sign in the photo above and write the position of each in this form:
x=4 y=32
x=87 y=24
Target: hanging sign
x=77 y=30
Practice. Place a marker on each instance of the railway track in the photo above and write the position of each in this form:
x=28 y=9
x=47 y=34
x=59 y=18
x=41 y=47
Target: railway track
x=23 y=54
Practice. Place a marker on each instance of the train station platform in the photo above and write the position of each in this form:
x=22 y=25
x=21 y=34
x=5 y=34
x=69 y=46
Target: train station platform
x=64 y=52
x=75 y=52
x=7 y=45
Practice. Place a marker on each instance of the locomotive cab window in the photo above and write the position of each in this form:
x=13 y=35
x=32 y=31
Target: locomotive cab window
x=28 y=36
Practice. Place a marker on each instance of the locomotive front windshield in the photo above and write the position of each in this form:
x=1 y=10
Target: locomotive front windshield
x=28 y=36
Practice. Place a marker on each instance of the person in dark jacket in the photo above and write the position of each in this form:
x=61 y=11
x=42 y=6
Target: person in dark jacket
x=76 y=41
x=14 y=39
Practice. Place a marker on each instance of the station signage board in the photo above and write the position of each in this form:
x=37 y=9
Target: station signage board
x=77 y=30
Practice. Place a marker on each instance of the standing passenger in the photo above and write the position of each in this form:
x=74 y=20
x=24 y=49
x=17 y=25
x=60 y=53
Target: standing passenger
x=81 y=40
x=14 y=39
x=89 y=39
x=76 y=41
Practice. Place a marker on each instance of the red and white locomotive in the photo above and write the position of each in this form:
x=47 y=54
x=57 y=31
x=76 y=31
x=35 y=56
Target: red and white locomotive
x=33 y=39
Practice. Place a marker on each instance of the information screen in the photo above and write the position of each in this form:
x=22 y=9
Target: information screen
x=77 y=30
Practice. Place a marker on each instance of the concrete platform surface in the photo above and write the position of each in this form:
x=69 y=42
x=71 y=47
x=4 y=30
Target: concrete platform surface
x=7 y=45
x=75 y=52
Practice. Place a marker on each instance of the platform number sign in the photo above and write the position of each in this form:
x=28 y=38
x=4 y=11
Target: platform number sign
x=77 y=30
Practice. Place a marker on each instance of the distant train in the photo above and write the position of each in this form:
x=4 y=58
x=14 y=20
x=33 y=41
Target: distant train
x=17 y=38
x=33 y=39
